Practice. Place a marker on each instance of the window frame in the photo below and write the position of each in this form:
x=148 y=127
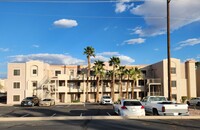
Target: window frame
x=15 y=98
x=16 y=82
x=15 y=72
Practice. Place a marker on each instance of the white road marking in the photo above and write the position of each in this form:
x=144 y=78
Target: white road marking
x=81 y=114
x=68 y=106
x=108 y=114
x=25 y=115
x=53 y=115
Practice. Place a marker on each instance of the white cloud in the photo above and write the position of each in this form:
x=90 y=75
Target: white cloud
x=198 y=57
x=188 y=42
x=48 y=58
x=183 y=12
x=35 y=46
x=105 y=56
x=4 y=49
x=123 y=5
x=135 y=41
x=65 y=23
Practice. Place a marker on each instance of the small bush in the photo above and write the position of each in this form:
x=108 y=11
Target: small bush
x=183 y=99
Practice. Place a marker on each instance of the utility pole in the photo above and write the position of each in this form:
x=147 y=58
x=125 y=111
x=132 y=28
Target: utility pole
x=168 y=51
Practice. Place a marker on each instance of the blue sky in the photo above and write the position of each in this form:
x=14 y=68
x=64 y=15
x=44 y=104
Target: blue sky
x=57 y=31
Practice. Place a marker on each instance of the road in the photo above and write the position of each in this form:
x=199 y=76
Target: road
x=103 y=124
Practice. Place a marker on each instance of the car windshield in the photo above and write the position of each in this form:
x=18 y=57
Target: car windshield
x=47 y=100
x=157 y=99
x=106 y=97
x=132 y=103
x=29 y=98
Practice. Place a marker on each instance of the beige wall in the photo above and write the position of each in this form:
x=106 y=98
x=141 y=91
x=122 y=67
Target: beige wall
x=11 y=79
x=198 y=81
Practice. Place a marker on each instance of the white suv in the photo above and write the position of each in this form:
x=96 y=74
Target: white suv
x=194 y=101
x=106 y=100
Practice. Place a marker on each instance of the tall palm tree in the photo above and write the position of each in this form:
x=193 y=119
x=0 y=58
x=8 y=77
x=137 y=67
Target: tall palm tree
x=88 y=51
x=99 y=71
x=114 y=62
x=127 y=73
x=121 y=72
x=135 y=74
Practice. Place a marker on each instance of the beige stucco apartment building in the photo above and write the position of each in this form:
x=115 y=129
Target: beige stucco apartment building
x=198 y=81
x=67 y=83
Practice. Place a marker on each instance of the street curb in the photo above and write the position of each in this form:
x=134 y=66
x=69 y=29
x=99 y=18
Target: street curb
x=4 y=119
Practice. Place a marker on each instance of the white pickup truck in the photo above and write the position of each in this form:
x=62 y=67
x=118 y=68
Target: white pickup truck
x=129 y=107
x=158 y=105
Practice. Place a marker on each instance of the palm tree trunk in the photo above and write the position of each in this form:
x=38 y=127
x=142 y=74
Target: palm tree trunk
x=127 y=86
x=88 y=75
x=113 y=86
x=132 y=89
x=97 y=93
x=120 y=89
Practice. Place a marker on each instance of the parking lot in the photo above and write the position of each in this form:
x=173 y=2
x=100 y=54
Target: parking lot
x=58 y=110
x=68 y=110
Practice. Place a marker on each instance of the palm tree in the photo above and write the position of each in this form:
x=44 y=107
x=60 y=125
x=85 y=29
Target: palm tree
x=127 y=73
x=135 y=74
x=99 y=71
x=114 y=62
x=121 y=72
x=88 y=51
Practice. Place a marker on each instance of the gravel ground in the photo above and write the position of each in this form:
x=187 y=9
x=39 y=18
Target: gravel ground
x=194 y=110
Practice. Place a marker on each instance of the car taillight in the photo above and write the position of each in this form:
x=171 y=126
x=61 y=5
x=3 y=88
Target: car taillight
x=123 y=107
x=142 y=107
x=163 y=109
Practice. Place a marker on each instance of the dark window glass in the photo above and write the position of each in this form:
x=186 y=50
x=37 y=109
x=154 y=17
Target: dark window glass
x=16 y=72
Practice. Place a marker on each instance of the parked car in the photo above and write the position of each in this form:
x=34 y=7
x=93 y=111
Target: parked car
x=129 y=107
x=30 y=101
x=159 y=105
x=106 y=100
x=47 y=102
x=194 y=101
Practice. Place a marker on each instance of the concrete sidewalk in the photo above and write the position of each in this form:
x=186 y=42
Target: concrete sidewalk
x=5 y=119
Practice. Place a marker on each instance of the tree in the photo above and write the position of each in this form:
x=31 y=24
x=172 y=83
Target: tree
x=88 y=51
x=135 y=74
x=127 y=73
x=99 y=71
x=197 y=64
x=114 y=62
x=121 y=73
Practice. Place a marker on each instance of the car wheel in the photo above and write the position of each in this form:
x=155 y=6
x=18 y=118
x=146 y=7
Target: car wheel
x=119 y=113
x=33 y=104
x=155 y=112
x=198 y=103
x=188 y=103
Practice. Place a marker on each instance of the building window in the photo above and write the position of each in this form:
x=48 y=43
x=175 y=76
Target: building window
x=61 y=82
x=173 y=70
x=17 y=72
x=16 y=98
x=71 y=72
x=34 y=71
x=34 y=83
x=141 y=82
x=173 y=83
x=174 y=97
x=16 y=85
x=57 y=72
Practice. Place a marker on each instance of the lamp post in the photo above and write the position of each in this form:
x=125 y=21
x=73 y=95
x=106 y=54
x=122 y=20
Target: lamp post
x=168 y=51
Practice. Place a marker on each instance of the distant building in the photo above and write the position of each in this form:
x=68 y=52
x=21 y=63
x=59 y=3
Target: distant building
x=2 y=86
x=67 y=83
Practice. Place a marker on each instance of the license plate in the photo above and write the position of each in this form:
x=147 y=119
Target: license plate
x=133 y=110
x=175 y=114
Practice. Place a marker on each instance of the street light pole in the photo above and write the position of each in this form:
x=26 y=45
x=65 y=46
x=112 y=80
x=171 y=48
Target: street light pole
x=168 y=50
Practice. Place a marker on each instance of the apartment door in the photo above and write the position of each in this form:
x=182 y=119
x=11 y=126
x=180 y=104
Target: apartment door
x=62 y=97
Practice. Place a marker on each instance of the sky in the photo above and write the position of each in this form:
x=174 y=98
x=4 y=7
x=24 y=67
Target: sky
x=57 y=31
